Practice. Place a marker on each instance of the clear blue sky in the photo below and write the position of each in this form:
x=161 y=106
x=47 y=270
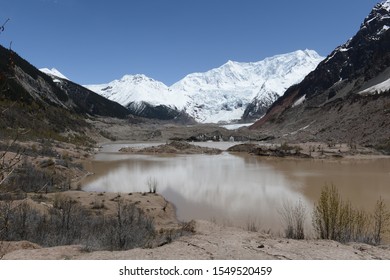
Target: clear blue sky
x=96 y=41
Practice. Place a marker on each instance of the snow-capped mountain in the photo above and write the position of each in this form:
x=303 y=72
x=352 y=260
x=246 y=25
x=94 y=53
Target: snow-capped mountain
x=224 y=93
x=137 y=89
x=53 y=72
x=221 y=94
x=145 y=97
x=347 y=97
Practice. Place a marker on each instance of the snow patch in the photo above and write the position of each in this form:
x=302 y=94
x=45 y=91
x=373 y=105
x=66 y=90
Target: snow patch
x=383 y=30
x=301 y=129
x=378 y=88
x=299 y=101
x=386 y=5
x=342 y=48
x=236 y=125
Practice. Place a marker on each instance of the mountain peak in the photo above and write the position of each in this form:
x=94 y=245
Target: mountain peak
x=53 y=72
x=231 y=62
x=220 y=94
x=139 y=79
x=297 y=53
x=135 y=77
x=378 y=16
x=310 y=53
x=385 y=5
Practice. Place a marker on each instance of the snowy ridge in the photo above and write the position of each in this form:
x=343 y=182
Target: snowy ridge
x=221 y=94
x=386 y=5
x=379 y=19
x=374 y=25
x=138 y=89
x=376 y=19
x=53 y=72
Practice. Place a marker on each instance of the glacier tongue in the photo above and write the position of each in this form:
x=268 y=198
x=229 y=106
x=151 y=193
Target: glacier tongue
x=221 y=94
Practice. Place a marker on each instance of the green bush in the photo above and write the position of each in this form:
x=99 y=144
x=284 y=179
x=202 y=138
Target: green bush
x=338 y=220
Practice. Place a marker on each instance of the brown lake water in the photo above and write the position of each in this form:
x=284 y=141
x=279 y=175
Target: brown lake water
x=236 y=189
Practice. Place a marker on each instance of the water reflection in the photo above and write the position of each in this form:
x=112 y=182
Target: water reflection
x=237 y=190
x=225 y=188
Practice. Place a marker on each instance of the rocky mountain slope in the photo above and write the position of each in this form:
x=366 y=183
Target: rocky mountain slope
x=85 y=100
x=346 y=98
x=227 y=93
x=43 y=106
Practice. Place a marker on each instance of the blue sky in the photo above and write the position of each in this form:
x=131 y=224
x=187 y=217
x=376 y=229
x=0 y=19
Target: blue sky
x=96 y=41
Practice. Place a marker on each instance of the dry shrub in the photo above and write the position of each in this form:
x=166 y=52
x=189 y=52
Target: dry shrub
x=67 y=222
x=381 y=220
x=294 y=217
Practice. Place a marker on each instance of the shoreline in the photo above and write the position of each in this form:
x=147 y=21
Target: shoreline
x=313 y=150
x=210 y=240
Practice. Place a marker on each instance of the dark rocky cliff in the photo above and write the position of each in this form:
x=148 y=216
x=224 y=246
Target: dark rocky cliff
x=336 y=102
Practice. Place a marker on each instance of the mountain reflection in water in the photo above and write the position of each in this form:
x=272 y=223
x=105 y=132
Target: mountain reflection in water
x=239 y=190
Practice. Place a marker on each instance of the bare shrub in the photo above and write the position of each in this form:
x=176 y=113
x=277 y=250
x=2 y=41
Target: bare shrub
x=152 y=185
x=166 y=236
x=17 y=221
x=21 y=219
x=98 y=204
x=11 y=155
x=381 y=220
x=5 y=219
x=131 y=225
x=189 y=226
x=28 y=178
x=67 y=222
x=251 y=225
x=294 y=217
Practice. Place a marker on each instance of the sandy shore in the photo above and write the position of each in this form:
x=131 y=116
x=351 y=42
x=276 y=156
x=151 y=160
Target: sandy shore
x=212 y=241
x=208 y=241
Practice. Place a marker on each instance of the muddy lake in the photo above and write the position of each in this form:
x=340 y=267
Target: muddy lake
x=237 y=189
